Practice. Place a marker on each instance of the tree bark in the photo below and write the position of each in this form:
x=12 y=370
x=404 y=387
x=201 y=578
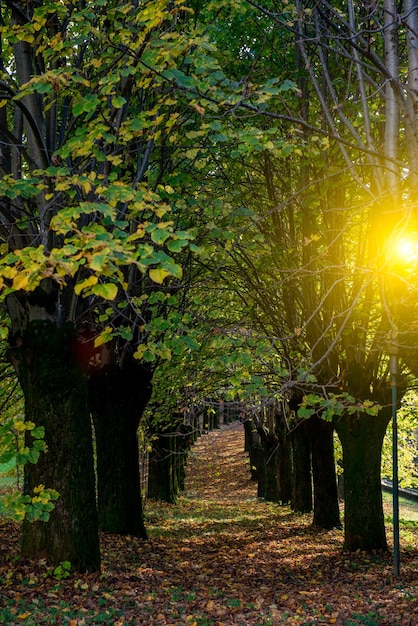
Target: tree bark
x=252 y=446
x=285 y=462
x=56 y=398
x=275 y=464
x=301 y=470
x=271 y=462
x=361 y=438
x=167 y=463
x=118 y=397
x=162 y=479
x=326 y=508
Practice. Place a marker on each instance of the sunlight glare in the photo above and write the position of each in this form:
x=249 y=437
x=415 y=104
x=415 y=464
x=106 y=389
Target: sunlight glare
x=406 y=250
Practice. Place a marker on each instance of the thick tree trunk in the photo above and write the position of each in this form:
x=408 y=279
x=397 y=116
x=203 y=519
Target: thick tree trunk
x=56 y=398
x=361 y=438
x=301 y=469
x=326 y=508
x=118 y=397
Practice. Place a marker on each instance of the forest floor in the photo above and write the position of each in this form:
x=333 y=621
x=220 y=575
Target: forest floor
x=218 y=557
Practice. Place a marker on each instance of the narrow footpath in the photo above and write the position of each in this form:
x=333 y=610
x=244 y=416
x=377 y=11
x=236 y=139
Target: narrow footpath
x=218 y=468
x=219 y=557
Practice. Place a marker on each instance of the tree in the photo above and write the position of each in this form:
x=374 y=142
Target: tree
x=317 y=175
x=87 y=91
x=21 y=442
x=118 y=396
x=103 y=127
x=326 y=217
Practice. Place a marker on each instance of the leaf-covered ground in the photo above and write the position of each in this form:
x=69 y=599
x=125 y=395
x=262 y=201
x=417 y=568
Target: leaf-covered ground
x=218 y=557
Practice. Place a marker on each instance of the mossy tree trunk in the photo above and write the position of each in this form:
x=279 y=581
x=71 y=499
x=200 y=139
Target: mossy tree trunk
x=361 y=438
x=118 y=397
x=56 y=398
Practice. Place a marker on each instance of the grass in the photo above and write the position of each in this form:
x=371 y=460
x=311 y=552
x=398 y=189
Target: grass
x=408 y=509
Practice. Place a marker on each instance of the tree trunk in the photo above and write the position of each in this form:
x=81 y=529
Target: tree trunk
x=252 y=446
x=56 y=398
x=167 y=462
x=326 y=508
x=183 y=447
x=271 y=453
x=361 y=438
x=118 y=397
x=301 y=469
x=162 y=478
x=285 y=463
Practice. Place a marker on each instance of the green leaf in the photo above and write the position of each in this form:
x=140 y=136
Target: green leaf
x=159 y=236
x=107 y=291
x=176 y=245
x=87 y=104
x=38 y=432
x=118 y=102
x=158 y=275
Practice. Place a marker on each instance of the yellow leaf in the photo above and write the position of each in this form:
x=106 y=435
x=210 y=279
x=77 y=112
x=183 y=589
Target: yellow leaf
x=55 y=41
x=158 y=275
x=86 y=186
x=104 y=337
x=20 y=281
x=38 y=24
x=162 y=210
x=140 y=351
x=24 y=615
x=27 y=37
x=84 y=284
x=115 y=159
x=19 y=426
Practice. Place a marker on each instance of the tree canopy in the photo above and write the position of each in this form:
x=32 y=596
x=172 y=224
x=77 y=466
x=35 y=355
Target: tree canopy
x=212 y=190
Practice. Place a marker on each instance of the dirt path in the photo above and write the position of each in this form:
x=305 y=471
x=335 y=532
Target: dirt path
x=218 y=467
x=220 y=557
